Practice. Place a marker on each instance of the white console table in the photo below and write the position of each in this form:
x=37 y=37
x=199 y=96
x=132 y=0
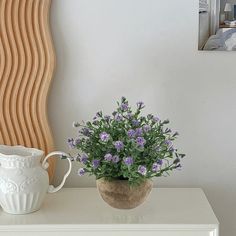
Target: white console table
x=81 y=211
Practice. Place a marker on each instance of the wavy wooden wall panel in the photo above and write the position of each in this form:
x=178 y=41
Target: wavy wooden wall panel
x=27 y=62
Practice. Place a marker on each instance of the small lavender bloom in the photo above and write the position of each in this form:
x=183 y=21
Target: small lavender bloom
x=142 y=170
x=77 y=141
x=86 y=132
x=81 y=171
x=107 y=118
x=139 y=132
x=118 y=117
x=135 y=122
x=140 y=141
x=146 y=128
x=128 y=161
x=124 y=106
x=108 y=157
x=169 y=143
x=95 y=163
x=129 y=115
x=131 y=133
x=75 y=124
x=155 y=167
x=140 y=105
x=104 y=136
x=160 y=162
x=155 y=119
x=70 y=142
x=115 y=159
x=84 y=158
x=119 y=145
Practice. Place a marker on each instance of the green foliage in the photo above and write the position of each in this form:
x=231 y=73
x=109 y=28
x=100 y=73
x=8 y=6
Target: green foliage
x=144 y=149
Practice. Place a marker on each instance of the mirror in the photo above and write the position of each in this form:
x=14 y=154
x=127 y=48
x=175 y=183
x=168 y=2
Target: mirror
x=217 y=25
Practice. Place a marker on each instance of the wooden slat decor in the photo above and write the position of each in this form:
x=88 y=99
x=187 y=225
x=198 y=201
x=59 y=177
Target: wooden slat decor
x=27 y=62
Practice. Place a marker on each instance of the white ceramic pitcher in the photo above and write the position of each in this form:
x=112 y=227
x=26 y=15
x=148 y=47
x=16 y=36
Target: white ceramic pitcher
x=24 y=181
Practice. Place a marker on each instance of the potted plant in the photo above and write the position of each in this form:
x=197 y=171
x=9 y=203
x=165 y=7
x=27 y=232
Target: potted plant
x=125 y=151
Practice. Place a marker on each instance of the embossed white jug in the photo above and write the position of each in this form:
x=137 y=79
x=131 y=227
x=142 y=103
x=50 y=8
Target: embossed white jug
x=24 y=181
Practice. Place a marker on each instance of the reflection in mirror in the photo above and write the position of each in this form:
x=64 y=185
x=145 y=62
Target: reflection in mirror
x=217 y=25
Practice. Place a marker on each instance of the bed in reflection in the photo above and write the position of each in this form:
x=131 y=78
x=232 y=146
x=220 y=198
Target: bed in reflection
x=223 y=40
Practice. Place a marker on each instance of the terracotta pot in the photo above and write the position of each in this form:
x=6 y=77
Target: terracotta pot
x=118 y=193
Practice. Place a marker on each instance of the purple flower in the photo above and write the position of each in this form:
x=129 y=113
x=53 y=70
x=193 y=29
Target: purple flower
x=108 y=157
x=95 y=163
x=160 y=162
x=81 y=171
x=128 y=161
x=119 y=145
x=140 y=141
x=155 y=167
x=115 y=159
x=118 y=117
x=169 y=143
x=86 y=131
x=77 y=141
x=142 y=170
x=107 y=118
x=135 y=122
x=146 y=128
x=139 y=132
x=70 y=142
x=104 y=136
x=129 y=115
x=131 y=133
x=124 y=106
x=140 y=105
x=155 y=119
x=84 y=158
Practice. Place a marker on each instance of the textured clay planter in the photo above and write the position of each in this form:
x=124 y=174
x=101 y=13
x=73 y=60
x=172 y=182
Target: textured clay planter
x=118 y=193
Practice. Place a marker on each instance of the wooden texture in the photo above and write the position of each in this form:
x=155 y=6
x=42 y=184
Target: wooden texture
x=27 y=62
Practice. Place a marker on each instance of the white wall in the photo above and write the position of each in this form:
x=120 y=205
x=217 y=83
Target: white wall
x=147 y=50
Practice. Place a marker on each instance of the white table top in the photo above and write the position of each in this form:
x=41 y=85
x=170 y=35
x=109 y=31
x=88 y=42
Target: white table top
x=83 y=206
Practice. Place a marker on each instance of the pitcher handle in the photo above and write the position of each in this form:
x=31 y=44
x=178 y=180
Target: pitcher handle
x=45 y=165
